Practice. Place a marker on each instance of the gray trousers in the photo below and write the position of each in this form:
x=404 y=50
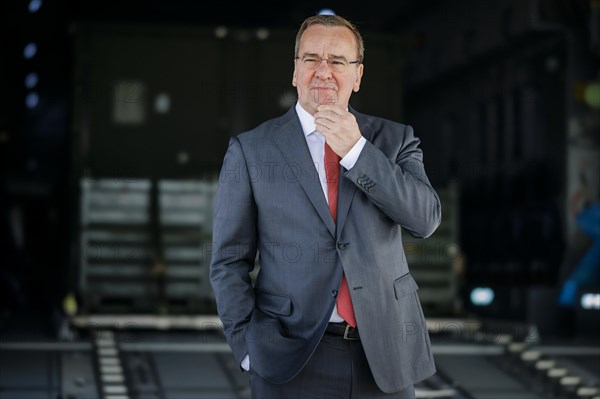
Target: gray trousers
x=338 y=369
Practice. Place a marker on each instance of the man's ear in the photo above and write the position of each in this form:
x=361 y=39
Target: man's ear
x=294 y=82
x=359 y=74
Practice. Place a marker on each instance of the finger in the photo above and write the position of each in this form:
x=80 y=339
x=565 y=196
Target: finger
x=330 y=115
x=323 y=127
x=324 y=117
x=325 y=120
x=332 y=107
x=329 y=134
x=326 y=134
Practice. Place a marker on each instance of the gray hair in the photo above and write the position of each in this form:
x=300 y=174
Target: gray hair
x=331 y=21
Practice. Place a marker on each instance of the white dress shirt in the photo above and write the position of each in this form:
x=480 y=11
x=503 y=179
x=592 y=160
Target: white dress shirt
x=316 y=146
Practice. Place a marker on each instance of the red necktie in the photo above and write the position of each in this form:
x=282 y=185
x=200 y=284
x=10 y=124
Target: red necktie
x=332 y=173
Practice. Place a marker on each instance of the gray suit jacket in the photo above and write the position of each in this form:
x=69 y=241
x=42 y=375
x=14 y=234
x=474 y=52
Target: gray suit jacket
x=270 y=200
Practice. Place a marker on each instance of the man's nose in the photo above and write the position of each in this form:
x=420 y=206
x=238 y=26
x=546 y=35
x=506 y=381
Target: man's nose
x=323 y=71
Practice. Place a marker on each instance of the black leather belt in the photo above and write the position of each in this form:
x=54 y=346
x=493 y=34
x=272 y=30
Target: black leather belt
x=345 y=330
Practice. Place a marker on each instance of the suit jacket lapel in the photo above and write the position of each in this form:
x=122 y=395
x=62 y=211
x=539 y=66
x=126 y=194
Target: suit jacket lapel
x=347 y=188
x=290 y=139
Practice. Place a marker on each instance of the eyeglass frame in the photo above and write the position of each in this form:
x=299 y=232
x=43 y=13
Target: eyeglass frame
x=328 y=60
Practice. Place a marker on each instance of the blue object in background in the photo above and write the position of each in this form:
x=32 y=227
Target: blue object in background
x=587 y=272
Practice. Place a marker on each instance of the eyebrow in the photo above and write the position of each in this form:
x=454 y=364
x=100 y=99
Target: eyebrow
x=331 y=56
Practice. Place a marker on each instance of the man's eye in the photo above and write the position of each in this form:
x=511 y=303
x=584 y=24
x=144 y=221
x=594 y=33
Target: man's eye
x=337 y=62
x=310 y=60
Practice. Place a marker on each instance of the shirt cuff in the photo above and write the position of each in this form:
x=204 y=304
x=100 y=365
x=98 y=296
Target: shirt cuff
x=352 y=156
x=246 y=363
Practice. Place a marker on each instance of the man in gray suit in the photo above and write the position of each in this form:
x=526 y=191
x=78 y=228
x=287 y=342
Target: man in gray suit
x=321 y=193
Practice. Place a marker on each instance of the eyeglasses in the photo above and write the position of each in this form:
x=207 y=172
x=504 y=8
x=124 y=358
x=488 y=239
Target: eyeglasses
x=336 y=64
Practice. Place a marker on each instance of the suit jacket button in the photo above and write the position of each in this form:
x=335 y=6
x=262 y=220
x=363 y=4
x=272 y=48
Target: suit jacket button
x=371 y=189
x=334 y=293
x=342 y=245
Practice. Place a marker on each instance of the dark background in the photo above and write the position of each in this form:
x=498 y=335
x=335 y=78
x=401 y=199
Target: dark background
x=494 y=89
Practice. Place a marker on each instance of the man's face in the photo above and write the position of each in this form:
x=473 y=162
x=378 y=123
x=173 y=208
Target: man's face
x=324 y=85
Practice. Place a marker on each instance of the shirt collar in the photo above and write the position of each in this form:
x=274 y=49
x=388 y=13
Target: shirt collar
x=306 y=120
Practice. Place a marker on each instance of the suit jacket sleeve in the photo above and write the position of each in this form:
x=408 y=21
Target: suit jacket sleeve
x=396 y=182
x=234 y=248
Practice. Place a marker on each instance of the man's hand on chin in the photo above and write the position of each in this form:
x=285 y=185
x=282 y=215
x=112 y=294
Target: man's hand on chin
x=338 y=126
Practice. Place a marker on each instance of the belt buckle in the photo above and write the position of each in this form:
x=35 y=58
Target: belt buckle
x=346 y=331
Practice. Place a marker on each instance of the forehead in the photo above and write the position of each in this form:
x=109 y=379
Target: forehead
x=325 y=40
